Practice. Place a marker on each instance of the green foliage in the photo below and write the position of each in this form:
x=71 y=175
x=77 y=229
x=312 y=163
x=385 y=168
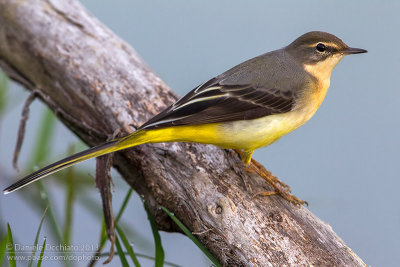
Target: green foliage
x=103 y=233
x=41 y=254
x=3 y=247
x=45 y=135
x=37 y=237
x=123 y=206
x=159 y=257
x=127 y=246
x=192 y=237
x=121 y=253
x=3 y=92
x=11 y=247
x=70 y=192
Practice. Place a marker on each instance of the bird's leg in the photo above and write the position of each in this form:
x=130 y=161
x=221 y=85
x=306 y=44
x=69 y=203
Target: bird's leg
x=280 y=187
x=254 y=166
x=264 y=172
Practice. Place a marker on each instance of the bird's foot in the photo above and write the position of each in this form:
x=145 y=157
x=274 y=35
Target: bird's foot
x=289 y=197
x=280 y=188
x=267 y=175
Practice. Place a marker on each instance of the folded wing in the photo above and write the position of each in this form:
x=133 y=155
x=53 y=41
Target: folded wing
x=213 y=102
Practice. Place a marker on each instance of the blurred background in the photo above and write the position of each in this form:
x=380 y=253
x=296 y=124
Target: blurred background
x=345 y=162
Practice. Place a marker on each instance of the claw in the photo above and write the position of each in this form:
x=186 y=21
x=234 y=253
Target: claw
x=289 y=197
x=280 y=188
x=265 y=194
x=267 y=175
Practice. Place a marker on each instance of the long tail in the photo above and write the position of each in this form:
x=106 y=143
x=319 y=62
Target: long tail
x=133 y=139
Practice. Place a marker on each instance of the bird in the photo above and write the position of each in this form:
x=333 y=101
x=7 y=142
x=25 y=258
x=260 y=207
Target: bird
x=250 y=106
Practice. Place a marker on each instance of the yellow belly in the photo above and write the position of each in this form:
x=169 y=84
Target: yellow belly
x=253 y=134
x=247 y=135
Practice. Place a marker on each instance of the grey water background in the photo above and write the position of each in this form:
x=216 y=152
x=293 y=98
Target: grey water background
x=344 y=162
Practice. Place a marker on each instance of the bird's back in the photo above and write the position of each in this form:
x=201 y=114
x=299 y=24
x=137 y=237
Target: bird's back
x=273 y=71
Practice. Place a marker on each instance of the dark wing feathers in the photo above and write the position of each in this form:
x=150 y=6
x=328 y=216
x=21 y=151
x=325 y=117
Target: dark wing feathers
x=213 y=102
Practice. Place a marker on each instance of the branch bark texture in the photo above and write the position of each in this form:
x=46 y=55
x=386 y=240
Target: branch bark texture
x=96 y=83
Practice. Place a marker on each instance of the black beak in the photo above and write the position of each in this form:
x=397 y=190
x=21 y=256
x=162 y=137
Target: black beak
x=351 y=50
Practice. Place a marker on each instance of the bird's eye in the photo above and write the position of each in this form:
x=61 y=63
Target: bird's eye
x=320 y=47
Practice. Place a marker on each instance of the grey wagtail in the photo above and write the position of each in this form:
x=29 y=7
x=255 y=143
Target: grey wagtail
x=247 y=107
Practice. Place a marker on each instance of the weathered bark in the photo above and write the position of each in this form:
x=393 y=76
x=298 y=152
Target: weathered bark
x=96 y=83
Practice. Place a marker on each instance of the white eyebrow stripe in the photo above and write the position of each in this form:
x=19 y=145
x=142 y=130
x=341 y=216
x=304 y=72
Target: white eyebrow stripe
x=329 y=44
x=198 y=100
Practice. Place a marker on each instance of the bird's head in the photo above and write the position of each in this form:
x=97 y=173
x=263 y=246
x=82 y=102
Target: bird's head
x=319 y=52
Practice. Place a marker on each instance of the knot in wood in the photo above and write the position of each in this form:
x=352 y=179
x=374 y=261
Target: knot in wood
x=275 y=216
x=218 y=209
x=223 y=207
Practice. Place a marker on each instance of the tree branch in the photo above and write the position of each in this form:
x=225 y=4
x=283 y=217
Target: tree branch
x=96 y=83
